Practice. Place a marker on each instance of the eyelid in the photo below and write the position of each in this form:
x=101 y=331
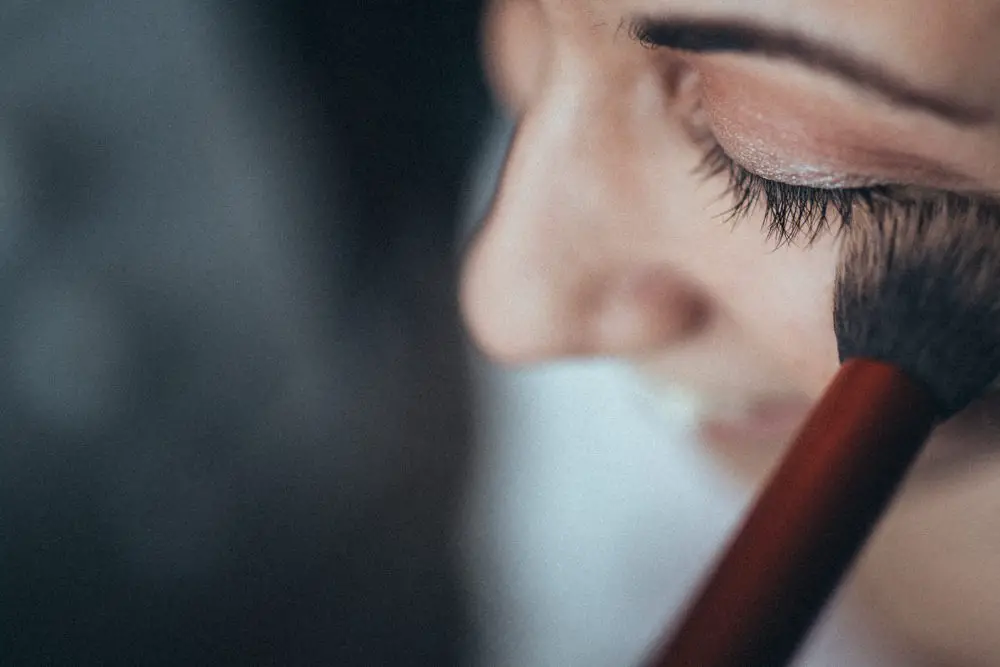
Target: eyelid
x=809 y=175
x=802 y=199
x=790 y=211
x=928 y=178
x=883 y=169
x=769 y=122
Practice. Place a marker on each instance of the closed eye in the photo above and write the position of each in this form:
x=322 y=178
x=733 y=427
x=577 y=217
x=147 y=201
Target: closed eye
x=790 y=211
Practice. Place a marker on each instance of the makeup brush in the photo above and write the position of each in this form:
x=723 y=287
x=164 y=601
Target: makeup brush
x=917 y=322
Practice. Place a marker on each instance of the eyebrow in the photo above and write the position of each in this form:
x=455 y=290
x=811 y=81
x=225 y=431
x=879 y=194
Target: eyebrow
x=726 y=36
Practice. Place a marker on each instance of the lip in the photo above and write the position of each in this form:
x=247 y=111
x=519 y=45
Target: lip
x=758 y=427
x=765 y=426
x=768 y=421
x=728 y=419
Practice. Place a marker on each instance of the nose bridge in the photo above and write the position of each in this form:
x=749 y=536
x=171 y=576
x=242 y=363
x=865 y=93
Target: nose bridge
x=532 y=273
x=555 y=207
x=561 y=185
x=580 y=159
x=547 y=160
x=558 y=269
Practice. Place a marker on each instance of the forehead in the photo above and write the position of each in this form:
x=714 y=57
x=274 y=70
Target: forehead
x=949 y=45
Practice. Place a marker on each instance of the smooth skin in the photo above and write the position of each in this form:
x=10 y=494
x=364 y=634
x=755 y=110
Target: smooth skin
x=604 y=241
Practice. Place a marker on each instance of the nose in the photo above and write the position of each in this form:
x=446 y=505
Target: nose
x=563 y=265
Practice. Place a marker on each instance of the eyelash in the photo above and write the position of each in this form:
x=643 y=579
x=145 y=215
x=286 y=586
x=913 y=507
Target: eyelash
x=791 y=212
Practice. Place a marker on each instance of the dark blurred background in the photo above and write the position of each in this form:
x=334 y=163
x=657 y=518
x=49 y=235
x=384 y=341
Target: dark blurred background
x=233 y=403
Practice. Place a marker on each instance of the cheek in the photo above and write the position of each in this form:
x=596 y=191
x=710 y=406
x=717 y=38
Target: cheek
x=781 y=298
x=931 y=571
x=798 y=325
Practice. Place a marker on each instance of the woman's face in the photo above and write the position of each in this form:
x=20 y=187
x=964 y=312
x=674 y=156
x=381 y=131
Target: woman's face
x=609 y=234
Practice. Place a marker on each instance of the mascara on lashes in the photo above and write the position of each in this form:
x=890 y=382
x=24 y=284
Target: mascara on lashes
x=790 y=211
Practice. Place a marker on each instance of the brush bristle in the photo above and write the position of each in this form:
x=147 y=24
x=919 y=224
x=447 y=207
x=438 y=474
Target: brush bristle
x=919 y=287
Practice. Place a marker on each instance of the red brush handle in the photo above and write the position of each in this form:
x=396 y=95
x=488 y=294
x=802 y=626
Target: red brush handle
x=809 y=522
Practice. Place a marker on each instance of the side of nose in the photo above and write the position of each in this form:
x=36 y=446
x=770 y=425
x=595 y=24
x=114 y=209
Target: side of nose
x=564 y=265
